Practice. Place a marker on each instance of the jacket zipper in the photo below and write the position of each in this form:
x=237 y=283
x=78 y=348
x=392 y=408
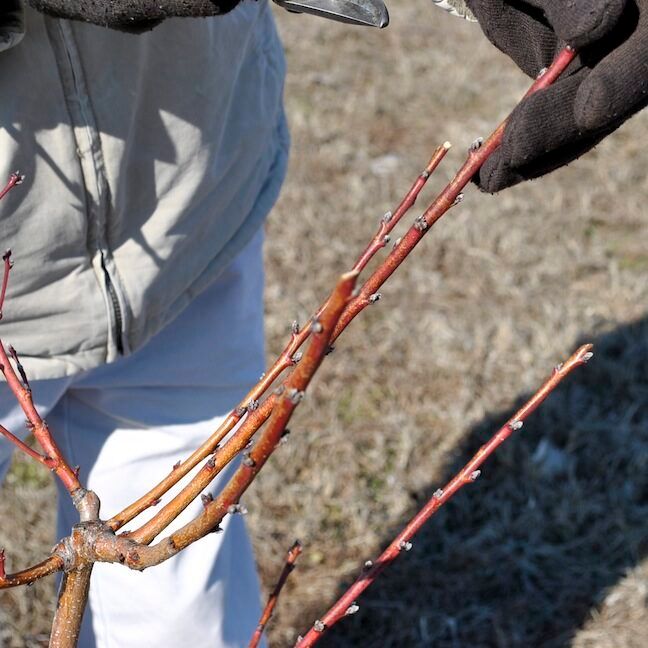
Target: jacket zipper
x=86 y=121
x=118 y=319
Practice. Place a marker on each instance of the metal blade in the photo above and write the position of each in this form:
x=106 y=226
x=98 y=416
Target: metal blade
x=371 y=13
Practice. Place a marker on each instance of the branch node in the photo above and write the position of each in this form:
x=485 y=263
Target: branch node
x=404 y=545
x=386 y=217
x=397 y=242
x=248 y=461
x=474 y=475
x=458 y=199
x=206 y=499
x=476 y=144
x=319 y=626
x=252 y=405
x=239 y=509
x=295 y=396
x=352 y=609
x=285 y=437
x=297 y=357
x=295 y=327
x=516 y=425
x=316 y=326
x=420 y=224
x=438 y=493
x=375 y=297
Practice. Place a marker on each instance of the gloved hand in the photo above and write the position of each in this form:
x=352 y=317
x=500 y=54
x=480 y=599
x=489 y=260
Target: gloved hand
x=12 y=26
x=131 y=15
x=604 y=86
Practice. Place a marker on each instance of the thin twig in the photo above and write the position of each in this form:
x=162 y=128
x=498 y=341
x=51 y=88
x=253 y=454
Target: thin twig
x=346 y=604
x=53 y=458
x=15 y=179
x=8 y=264
x=21 y=445
x=286 y=359
x=38 y=427
x=449 y=197
x=109 y=548
x=289 y=565
x=26 y=576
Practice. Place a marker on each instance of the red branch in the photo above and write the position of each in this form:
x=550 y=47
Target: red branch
x=286 y=359
x=53 y=458
x=15 y=179
x=450 y=196
x=346 y=604
x=289 y=565
x=8 y=264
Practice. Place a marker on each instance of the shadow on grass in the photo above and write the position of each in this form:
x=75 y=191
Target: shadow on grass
x=557 y=517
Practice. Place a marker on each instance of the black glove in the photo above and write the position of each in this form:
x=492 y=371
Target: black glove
x=604 y=86
x=131 y=15
x=12 y=27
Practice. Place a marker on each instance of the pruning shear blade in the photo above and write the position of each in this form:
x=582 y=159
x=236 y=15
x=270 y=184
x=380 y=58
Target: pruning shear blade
x=370 y=13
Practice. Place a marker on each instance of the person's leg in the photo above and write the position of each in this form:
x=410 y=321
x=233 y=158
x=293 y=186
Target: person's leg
x=126 y=424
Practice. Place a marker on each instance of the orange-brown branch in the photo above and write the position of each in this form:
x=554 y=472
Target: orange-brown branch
x=289 y=565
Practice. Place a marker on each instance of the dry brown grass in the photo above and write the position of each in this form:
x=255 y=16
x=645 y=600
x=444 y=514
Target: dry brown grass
x=549 y=547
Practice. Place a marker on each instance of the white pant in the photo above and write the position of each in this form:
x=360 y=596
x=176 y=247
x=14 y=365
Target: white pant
x=126 y=424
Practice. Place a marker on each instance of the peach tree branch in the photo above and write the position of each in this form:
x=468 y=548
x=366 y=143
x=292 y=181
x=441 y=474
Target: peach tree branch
x=346 y=604
x=289 y=565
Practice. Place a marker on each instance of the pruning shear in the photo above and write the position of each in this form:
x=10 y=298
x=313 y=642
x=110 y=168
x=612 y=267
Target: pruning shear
x=370 y=13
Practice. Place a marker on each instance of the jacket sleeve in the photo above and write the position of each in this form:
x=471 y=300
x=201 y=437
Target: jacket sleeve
x=131 y=15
